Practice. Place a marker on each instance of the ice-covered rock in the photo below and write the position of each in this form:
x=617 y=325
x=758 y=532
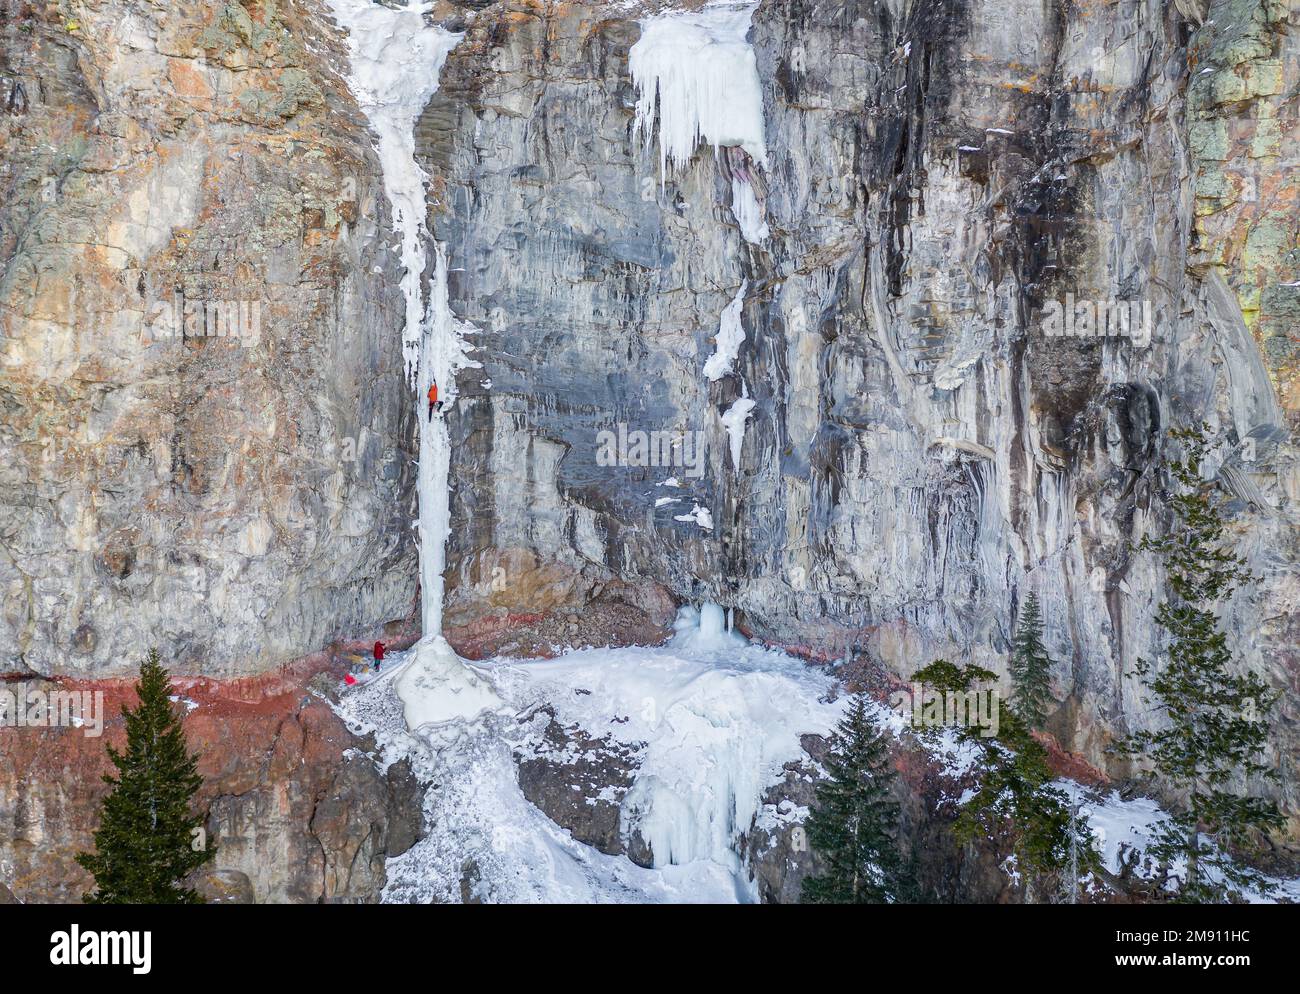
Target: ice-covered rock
x=689 y=736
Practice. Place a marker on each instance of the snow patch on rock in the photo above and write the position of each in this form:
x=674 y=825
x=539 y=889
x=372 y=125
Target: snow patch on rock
x=701 y=515
x=734 y=421
x=731 y=335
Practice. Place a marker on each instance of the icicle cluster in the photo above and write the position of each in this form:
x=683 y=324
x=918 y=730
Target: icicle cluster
x=696 y=72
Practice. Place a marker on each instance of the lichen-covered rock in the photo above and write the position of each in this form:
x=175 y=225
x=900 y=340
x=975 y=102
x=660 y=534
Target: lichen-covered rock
x=205 y=441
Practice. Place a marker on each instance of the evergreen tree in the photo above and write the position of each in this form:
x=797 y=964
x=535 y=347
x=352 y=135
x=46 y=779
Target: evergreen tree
x=145 y=841
x=1015 y=802
x=1031 y=695
x=854 y=823
x=1214 y=728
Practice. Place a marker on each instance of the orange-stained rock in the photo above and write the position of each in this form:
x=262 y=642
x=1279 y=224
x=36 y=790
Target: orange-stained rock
x=296 y=806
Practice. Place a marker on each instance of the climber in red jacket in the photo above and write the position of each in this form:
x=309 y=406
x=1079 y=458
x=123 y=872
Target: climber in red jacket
x=379 y=655
x=434 y=403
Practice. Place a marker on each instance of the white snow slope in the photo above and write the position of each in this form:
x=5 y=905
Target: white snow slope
x=714 y=719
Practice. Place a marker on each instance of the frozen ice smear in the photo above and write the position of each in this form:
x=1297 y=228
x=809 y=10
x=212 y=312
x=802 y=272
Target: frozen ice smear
x=695 y=73
x=731 y=335
x=748 y=212
x=734 y=421
x=701 y=515
x=396 y=59
x=443 y=353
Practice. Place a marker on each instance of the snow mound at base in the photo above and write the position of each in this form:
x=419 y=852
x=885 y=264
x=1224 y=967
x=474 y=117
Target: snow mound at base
x=436 y=686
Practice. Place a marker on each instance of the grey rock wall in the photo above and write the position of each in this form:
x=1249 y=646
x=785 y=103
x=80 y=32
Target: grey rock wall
x=922 y=455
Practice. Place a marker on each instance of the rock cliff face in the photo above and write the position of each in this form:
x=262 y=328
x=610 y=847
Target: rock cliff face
x=206 y=439
x=921 y=453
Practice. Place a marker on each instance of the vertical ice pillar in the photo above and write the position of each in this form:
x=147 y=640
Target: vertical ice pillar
x=396 y=59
